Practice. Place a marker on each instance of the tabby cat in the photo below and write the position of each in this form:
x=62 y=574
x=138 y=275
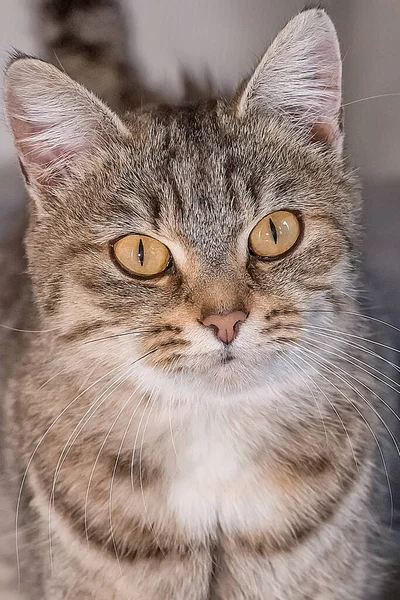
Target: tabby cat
x=186 y=421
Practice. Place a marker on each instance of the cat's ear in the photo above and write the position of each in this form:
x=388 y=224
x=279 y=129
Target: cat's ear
x=300 y=75
x=58 y=125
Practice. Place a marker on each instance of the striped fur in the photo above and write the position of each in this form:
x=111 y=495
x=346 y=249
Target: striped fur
x=161 y=463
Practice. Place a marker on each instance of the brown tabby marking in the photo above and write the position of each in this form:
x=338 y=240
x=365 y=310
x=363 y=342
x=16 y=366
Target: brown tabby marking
x=254 y=454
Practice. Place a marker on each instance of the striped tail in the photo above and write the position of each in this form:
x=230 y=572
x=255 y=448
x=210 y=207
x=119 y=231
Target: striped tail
x=88 y=39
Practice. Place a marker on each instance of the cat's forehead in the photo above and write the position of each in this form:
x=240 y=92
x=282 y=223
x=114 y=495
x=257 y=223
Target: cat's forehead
x=201 y=177
x=203 y=173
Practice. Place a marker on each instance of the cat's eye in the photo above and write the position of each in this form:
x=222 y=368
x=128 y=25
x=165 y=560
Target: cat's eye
x=275 y=234
x=141 y=255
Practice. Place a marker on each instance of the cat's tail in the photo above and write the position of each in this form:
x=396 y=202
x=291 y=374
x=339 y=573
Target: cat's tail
x=88 y=39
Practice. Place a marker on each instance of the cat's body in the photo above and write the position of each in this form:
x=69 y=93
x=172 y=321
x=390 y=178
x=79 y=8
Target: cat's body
x=216 y=496
x=163 y=463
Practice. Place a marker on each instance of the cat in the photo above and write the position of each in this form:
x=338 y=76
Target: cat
x=184 y=409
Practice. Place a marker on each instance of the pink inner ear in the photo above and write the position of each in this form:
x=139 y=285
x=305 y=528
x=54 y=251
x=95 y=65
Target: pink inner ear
x=46 y=147
x=31 y=141
x=322 y=132
x=45 y=155
x=300 y=76
x=326 y=85
x=57 y=123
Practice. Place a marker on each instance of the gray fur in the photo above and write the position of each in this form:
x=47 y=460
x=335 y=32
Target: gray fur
x=290 y=415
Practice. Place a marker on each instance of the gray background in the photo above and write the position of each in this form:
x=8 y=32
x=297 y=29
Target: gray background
x=222 y=39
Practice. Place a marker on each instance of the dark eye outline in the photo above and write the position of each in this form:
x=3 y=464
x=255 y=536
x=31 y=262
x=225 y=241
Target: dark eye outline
x=298 y=241
x=125 y=271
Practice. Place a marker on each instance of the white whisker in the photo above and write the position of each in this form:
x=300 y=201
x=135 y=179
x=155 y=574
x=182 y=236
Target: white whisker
x=33 y=456
x=353 y=361
x=156 y=539
x=353 y=335
x=99 y=454
x=114 y=474
x=94 y=406
x=356 y=346
x=392 y=95
x=298 y=371
x=333 y=407
x=355 y=407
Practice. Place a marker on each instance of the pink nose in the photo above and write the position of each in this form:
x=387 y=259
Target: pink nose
x=225 y=326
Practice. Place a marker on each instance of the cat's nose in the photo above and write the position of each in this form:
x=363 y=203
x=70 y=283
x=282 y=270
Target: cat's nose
x=225 y=326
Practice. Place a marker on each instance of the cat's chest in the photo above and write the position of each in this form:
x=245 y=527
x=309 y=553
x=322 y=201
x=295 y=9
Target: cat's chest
x=215 y=482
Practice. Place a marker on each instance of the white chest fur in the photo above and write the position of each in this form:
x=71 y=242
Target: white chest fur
x=215 y=483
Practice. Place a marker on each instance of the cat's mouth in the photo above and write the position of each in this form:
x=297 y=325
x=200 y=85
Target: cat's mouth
x=227 y=356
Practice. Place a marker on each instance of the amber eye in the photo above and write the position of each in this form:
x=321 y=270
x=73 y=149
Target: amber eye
x=275 y=234
x=141 y=255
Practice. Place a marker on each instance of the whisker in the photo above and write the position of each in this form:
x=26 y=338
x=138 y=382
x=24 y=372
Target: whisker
x=65 y=370
x=355 y=314
x=333 y=407
x=351 y=335
x=18 y=507
x=99 y=454
x=156 y=538
x=368 y=403
x=351 y=360
x=359 y=347
x=297 y=371
x=89 y=374
x=9 y=328
x=140 y=465
x=135 y=442
x=355 y=407
x=392 y=95
x=375 y=394
x=170 y=429
x=52 y=378
x=94 y=406
x=117 y=335
x=114 y=474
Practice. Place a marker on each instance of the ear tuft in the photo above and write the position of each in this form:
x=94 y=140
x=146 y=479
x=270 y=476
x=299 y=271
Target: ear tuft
x=15 y=55
x=56 y=123
x=301 y=76
x=313 y=6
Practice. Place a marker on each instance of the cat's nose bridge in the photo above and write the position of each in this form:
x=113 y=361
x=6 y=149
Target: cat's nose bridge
x=220 y=295
x=222 y=306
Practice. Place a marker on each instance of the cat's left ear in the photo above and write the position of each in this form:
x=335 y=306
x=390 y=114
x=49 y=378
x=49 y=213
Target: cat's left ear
x=59 y=127
x=300 y=76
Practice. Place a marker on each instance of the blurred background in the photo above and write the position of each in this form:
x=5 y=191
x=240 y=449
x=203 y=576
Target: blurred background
x=210 y=45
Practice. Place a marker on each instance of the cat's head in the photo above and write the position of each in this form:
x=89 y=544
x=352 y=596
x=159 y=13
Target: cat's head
x=194 y=245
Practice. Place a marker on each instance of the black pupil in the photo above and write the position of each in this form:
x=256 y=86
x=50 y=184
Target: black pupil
x=273 y=230
x=141 y=252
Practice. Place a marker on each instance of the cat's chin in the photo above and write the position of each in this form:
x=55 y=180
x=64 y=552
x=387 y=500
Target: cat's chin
x=225 y=374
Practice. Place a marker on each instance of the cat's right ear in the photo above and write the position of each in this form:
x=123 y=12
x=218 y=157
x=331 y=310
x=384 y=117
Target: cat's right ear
x=58 y=126
x=300 y=76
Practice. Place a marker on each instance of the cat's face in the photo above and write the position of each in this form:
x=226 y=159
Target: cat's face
x=199 y=181
x=194 y=183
